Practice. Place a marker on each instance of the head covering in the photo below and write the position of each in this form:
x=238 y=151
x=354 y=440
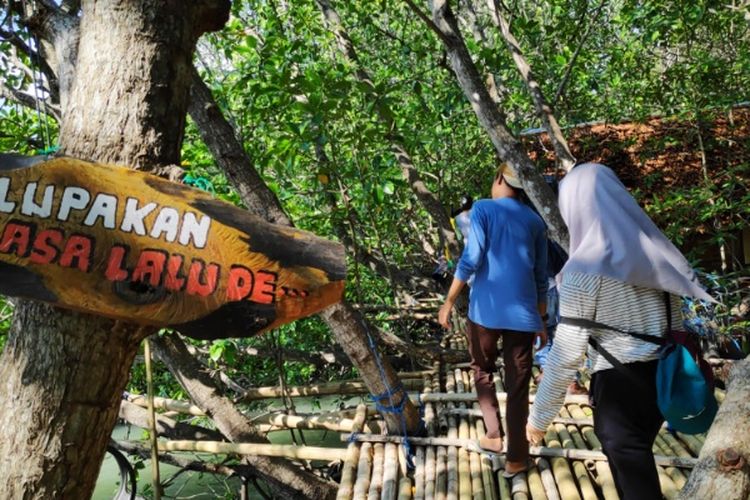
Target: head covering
x=610 y=235
x=509 y=176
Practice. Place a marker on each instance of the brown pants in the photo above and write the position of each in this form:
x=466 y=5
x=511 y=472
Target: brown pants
x=517 y=357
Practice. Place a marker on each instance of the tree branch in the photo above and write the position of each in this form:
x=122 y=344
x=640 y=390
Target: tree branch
x=286 y=479
x=508 y=148
x=60 y=32
x=429 y=201
x=571 y=63
x=27 y=100
x=138 y=416
x=346 y=324
x=543 y=109
x=34 y=56
x=143 y=451
x=433 y=27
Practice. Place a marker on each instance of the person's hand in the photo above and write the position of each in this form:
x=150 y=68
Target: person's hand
x=542 y=337
x=444 y=315
x=534 y=435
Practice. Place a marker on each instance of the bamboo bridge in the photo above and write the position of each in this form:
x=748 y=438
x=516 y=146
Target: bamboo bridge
x=446 y=463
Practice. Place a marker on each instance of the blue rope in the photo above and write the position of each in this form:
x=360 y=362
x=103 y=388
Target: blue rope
x=389 y=393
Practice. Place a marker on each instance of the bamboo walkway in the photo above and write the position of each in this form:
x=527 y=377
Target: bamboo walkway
x=570 y=465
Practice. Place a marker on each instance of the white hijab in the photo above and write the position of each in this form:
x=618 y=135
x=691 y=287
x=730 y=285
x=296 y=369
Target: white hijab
x=610 y=235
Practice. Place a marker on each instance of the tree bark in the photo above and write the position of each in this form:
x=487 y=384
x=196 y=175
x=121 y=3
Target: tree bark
x=63 y=372
x=507 y=146
x=723 y=469
x=346 y=324
x=286 y=480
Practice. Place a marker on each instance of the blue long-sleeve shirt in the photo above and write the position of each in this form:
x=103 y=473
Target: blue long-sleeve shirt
x=507 y=254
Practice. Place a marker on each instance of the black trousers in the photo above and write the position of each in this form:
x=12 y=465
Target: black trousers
x=626 y=421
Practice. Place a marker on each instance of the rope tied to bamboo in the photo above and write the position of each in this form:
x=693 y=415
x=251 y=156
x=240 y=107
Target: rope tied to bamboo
x=393 y=408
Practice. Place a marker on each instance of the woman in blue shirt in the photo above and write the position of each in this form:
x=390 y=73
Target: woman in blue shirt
x=507 y=254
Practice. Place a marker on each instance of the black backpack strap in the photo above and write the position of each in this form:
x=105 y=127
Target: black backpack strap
x=587 y=323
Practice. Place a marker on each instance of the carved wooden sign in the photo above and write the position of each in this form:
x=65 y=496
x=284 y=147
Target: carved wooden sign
x=128 y=245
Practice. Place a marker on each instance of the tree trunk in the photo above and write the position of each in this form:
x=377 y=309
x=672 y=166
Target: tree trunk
x=723 y=469
x=286 y=480
x=346 y=324
x=63 y=372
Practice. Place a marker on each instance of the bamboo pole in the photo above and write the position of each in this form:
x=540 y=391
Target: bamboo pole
x=440 y=408
x=419 y=473
x=332 y=421
x=536 y=488
x=488 y=484
x=586 y=431
x=676 y=475
x=678 y=447
x=404 y=482
x=441 y=473
x=167 y=405
x=349 y=470
x=453 y=464
x=693 y=443
x=425 y=486
x=404 y=488
x=563 y=475
x=269 y=450
x=364 y=471
x=477 y=413
x=475 y=467
x=337 y=388
x=390 y=472
x=573 y=430
x=519 y=488
x=548 y=479
x=606 y=481
x=470 y=397
x=580 y=472
x=537 y=451
x=430 y=473
x=478 y=491
x=156 y=480
x=668 y=489
x=503 y=485
x=376 y=483
x=465 y=478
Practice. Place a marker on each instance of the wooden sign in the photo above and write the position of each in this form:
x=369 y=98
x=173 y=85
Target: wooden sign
x=128 y=245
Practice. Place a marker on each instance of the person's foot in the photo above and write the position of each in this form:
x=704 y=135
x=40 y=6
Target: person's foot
x=513 y=468
x=494 y=445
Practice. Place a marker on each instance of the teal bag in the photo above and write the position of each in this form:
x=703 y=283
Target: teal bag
x=684 y=394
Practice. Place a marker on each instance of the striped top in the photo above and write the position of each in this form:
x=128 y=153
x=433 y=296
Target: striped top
x=608 y=301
